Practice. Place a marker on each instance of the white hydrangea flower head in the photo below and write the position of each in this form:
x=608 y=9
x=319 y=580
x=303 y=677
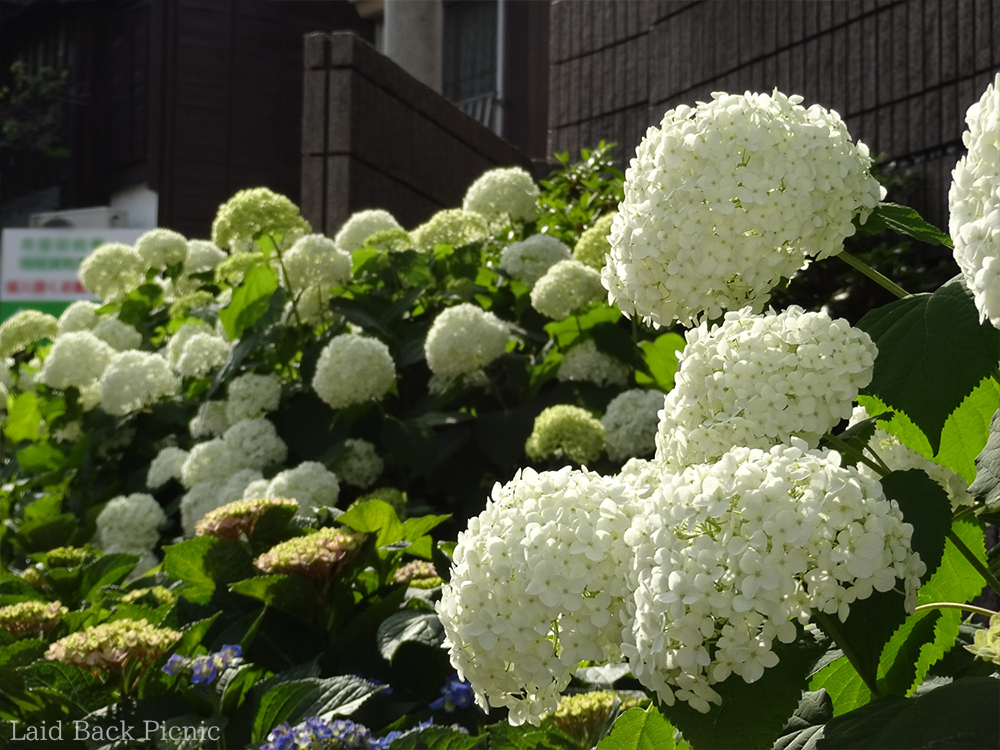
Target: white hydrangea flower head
x=758 y=380
x=160 y=248
x=119 y=336
x=360 y=465
x=255 y=443
x=974 y=204
x=315 y=261
x=585 y=362
x=175 y=347
x=202 y=256
x=251 y=395
x=353 y=369
x=79 y=316
x=727 y=555
x=726 y=198
x=76 y=359
x=362 y=225
x=593 y=246
x=508 y=194
x=565 y=431
x=254 y=212
x=237 y=484
x=210 y=421
x=537 y=585
x=168 y=464
x=256 y=489
x=310 y=483
x=630 y=423
x=211 y=461
x=453 y=226
x=898 y=457
x=24 y=328
x=201 y=499
x=112 y=271
x=463 y=339
x=130 y=523
x=134 y=380
x=565 y=287
x=201 y=353
x=529 y=259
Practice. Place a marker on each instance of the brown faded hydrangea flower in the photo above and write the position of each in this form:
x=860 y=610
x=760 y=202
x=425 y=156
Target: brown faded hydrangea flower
x=325 y=552
x=237 y=520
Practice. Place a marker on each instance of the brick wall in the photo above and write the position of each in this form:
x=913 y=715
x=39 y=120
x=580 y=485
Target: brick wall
x=375 y=137
x=900 y=72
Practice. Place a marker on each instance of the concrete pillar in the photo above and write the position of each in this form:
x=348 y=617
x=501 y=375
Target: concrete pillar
x=413 y=37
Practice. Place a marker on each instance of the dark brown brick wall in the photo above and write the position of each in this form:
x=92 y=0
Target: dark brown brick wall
x=375 y=137
x=900 y=72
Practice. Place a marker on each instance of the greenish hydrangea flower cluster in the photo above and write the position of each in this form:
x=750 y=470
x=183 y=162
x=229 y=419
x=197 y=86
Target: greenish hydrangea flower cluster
x=109 y=647
x=254 y=212
x=35 y=619
x=593 y=246
x=420 y=574
x=23 y=329
x=505 y=195
x=453 y=226
x=324 y=553
x=566 y=431
x=986 y=641
x=237 y=520
x=566 y=287
x=580 y=714
x=362 y=225
x=161 y=594
x=112 y=271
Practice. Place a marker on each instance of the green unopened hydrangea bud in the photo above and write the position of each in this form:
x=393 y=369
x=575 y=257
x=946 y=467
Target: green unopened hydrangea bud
x=453 y=226
x=238 y=519
x=986 y=643
x=253 y=212
x=593 y=244
x=420 y=574
x=188 y=302
x=36 y=619
x=35 y=577
x=391 y=241
x=108 y=647
x=566 y=431
x=69 y=557
x=581 y=714
x=23 y=329
x=324 y=553
x=396 y=498
x=161 y=594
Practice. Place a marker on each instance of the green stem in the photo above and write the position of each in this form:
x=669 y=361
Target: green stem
x=281 y=264
x=954 y=605
x=871 y=273
x=832 y=628
x=846 y=448
x=975 y=562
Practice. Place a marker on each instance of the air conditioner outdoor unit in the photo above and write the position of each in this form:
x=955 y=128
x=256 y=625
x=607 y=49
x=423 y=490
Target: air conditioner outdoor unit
x=98 y=217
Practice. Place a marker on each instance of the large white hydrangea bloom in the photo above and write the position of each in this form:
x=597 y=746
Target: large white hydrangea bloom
x=529 y=259
x=362 y=225
x=502 y=195
x=565 y=287
x=167 y=465
x=463 y=339
x=202 y=498
x=725 y=199
x=758 y=380
x=134 y=380
x=79 y=316
x=210 y=421
x=360 y=464
x=727 y=555
x=315 y=261
x=453 y=226
x=112 y=271
x=76 y=359
x=536 y=587
x=310 y=483
x=255 y=443
x=630 y=423
x=130 y=523
x=585 y=362
x=24 y=328
x=160 y=248
x=175 y=347
x=250 y=395
x=353 y=369
x=974 y=203
x=201 y=353
x=210 y=461
x=118 y=335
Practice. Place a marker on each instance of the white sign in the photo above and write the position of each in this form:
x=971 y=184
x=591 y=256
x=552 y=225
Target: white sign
x=39 y=267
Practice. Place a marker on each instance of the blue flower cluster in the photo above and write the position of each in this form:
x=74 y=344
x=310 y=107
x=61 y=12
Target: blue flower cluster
x=204 y=669
x=338 y=734
x=456 y=693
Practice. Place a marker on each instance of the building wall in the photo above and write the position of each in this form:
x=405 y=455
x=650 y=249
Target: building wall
x=900 y=72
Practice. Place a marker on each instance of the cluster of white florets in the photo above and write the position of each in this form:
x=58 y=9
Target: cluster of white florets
x=725 y=199
x=463 y=339
x=160 y=248
x=25 y=328
x=314 y=262
x=112 y=271
x=897 y=457
x=210 y=421
x=630 y=424
x=505 y=195
x=353 y=369
x=254 y=212
x=453 y=226
x=76 y=359
x=585 y=362
x=79 y=316
x=536 y=587
x=130 y=524
x=362 y=225
x=566 y=287
x=974 y=203
x=310 y=483
x=529 y=259
x=568 y=432
x=168 y=464
x=118 y=335
x=201 y=353
x=134 y=380
x=593 y=246
x=250 y=395
x=758 y=380
x=727 y=555
x=359 y=465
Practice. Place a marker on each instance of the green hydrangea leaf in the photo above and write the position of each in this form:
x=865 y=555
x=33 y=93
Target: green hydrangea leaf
x=24 y=417
x=639 y=729
x=374 y=517
x=250 y=300
x=661 y=359
x=204 y=562
x=933 y=351
x=439 y=738
x=902 y=220
x=409 y=625
x=843 y=684
x=815 y=709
